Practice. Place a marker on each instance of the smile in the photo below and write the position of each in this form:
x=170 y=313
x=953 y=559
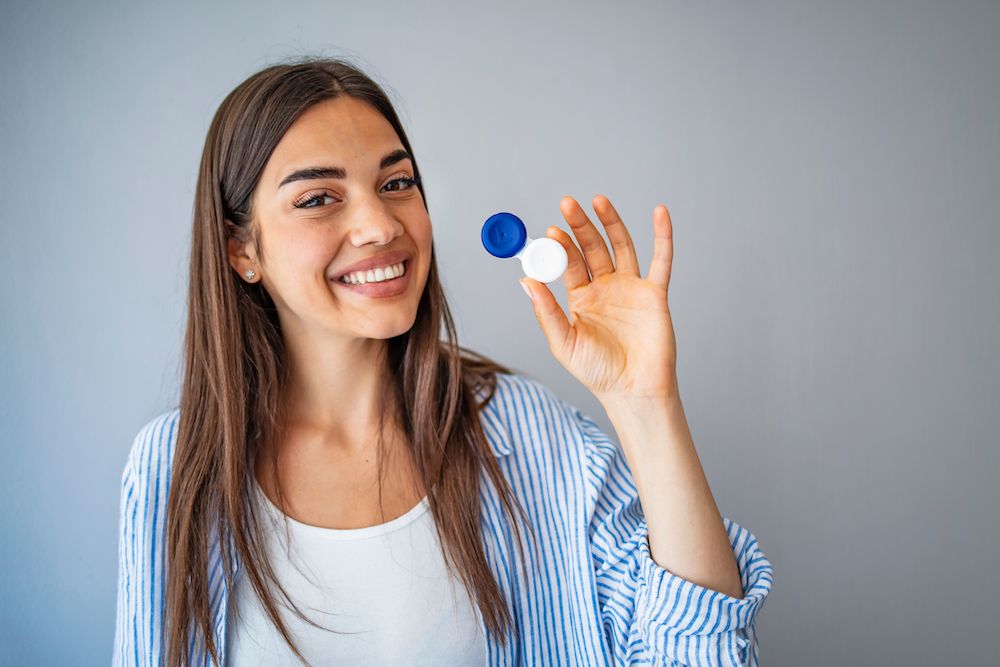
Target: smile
x=383 y=287
x=375 y=275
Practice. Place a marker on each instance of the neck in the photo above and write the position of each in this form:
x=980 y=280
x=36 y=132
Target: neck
x=334 y=387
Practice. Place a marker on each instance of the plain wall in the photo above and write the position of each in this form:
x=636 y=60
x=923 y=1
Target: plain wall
x=832 y=171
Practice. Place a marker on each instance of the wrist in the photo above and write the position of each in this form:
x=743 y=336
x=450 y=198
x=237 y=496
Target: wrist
x=632 y=405
x=641 y=423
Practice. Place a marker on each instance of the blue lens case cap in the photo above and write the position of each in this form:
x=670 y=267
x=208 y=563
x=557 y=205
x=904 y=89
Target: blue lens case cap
x=504 y=235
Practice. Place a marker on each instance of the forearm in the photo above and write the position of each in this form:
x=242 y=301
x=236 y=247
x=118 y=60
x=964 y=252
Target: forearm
x=686 y=532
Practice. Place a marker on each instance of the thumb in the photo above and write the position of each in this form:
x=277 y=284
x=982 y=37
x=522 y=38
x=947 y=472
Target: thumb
x=550 y=316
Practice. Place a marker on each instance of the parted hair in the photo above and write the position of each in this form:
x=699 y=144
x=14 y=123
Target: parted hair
x=235 y=373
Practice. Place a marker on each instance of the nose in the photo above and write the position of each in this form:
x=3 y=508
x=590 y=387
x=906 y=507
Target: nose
x=371 y=221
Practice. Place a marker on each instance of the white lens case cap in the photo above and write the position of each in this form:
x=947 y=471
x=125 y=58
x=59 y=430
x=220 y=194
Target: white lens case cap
x=543 y=259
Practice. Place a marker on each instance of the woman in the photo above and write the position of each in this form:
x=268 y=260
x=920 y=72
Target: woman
x=437 y=508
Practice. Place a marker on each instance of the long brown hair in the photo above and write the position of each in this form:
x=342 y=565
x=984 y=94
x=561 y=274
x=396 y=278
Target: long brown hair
x=235 y=374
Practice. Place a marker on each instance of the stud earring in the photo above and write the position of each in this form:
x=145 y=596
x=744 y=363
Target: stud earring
x=249 y=274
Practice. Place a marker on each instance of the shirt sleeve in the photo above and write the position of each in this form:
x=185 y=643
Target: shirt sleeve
x=649 y=613
x=142 y=506
x=126 y=651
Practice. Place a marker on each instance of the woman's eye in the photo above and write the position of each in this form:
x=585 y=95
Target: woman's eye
x=308 y=202
x=317 y=200
x=409 y=182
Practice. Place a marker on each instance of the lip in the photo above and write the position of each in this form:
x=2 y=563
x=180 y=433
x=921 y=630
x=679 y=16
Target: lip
x=386 y=288
x=385 y=259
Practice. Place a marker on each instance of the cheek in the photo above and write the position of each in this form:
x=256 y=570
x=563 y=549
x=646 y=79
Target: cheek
x=422 y=233
x=424 y=243
x=302 y=254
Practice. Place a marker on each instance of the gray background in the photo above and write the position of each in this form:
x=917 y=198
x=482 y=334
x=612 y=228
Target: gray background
x=832 y=174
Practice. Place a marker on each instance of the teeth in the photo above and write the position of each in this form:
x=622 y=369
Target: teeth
x=374 y=275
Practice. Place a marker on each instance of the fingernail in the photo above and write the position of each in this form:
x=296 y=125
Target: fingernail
x=526 y=290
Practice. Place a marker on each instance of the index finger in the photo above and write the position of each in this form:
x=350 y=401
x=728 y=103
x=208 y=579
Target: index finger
x=595 y=251
x=621 y=240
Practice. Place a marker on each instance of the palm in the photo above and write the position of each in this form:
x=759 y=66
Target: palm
x=620 y=328
x=618 y=339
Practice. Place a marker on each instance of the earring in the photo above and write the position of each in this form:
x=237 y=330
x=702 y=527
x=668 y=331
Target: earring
x=249 y=274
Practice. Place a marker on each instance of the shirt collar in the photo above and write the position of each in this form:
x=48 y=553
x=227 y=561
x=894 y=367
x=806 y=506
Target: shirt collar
x=493 y=426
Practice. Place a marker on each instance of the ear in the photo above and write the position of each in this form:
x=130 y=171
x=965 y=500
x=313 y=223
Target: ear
x=241 y=254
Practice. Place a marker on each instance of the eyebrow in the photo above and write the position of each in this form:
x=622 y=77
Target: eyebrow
x=312 y=173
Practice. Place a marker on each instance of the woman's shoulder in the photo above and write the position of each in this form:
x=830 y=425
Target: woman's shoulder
x=152 y=448
x=529 y=417
x=526 y=394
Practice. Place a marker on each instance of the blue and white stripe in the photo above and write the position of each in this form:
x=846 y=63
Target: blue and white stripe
x=592 y=594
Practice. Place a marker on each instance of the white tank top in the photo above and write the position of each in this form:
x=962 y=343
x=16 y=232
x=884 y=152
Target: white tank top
x=386 y=584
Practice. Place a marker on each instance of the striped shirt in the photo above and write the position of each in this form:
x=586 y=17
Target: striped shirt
x=592 y=595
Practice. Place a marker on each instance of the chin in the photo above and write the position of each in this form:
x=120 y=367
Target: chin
x=389 y=329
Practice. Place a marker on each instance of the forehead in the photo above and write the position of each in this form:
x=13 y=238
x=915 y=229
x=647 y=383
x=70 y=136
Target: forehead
x=342 y=132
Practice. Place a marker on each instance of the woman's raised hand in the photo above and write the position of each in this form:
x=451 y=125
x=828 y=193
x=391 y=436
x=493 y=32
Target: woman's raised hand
x=618 y=339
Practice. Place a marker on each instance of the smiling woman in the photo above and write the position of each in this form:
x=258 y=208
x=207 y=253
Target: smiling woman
x=409 y=472
x=339 y=195
x=294 y=377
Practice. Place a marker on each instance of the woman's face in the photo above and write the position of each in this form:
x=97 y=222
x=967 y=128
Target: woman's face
x=331 y=195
